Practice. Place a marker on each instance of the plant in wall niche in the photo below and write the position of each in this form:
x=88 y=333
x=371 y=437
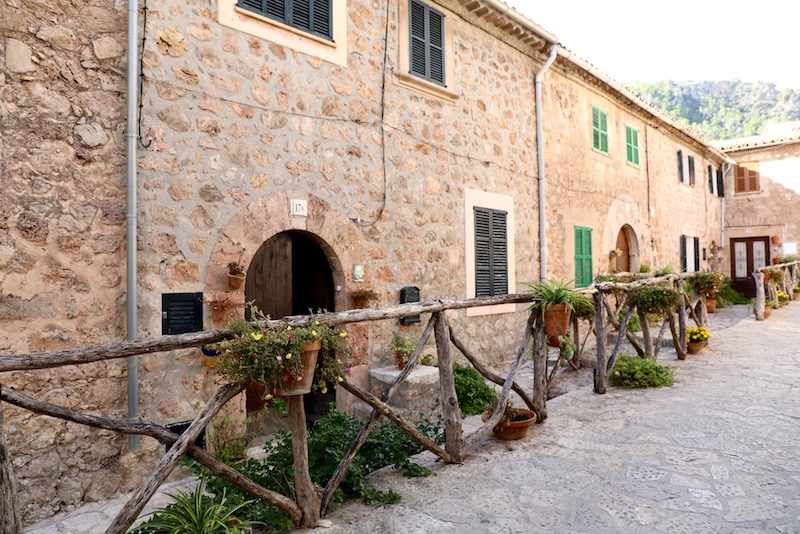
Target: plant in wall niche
x=273 y=357
x=695 y=334
x=402 y=348
x=236 y=275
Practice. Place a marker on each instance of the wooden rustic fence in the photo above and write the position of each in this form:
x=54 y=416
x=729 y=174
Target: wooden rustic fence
x=786 y=282
x=312 y=502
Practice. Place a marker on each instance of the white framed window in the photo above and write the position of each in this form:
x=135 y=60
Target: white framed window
x=485 y=247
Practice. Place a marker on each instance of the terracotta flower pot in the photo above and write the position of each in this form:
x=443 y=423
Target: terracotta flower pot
x=796 y=295
x=235 y=281
x=302 y=385
x=711 y=305
x=767 y=311
x=556 y=319
x=516 y=429
x=401 y=359
x=552 y=341
x=693 y=347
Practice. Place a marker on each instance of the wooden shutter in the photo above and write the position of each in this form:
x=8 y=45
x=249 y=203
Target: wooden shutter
x=629 y=144
x=499 y=253
x=752 y=177
x=436 y=46
x=491 y=252
x=635 y=137
x=680 y=166
x=710 y=180
x=583 y=256
x=696 y=254
x=276 y=9
x=720 y=184
x=181 y=313
x=599 y=130
x=321 y=18
x=683 y=253
x=691 y=170
x=419 y=64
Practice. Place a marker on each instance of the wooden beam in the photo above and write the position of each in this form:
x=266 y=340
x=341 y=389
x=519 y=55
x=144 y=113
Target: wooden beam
x=447 y=389
x=159 y=433
x=307 y=497
x=600 y=332
x=130 y=512
x=81 y=355
x=10 y=517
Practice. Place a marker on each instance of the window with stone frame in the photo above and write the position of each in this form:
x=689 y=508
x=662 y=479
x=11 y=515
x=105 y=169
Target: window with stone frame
x=426 y=41
x=491 y=252
x=311 y=16
x=747 y=178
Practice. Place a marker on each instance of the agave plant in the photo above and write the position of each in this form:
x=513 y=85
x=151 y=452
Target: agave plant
x=197 y=513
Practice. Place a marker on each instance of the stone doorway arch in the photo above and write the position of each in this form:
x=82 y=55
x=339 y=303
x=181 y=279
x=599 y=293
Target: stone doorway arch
x=625 y=257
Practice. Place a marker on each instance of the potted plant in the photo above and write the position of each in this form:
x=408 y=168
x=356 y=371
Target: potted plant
x=402 y=348
x=220 y=308
x=796 y=292
x=282 y=360
x=515 y=421
x=708 y=284
x=696 y=338
x=654 y=299
x=783 y=298
x=361 y=298
x=557 y=300
x=236 y=275
x=210 y=357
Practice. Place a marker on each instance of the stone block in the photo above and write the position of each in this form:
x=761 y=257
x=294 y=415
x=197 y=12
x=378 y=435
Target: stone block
x=18 y=56
x=416 y=394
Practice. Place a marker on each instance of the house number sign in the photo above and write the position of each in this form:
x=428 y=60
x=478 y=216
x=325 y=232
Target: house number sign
x=298 y=207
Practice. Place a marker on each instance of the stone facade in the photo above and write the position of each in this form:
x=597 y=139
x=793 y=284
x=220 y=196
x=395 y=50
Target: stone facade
x=238 y=119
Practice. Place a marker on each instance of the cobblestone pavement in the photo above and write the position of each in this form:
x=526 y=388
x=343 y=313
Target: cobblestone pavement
x=715 y=453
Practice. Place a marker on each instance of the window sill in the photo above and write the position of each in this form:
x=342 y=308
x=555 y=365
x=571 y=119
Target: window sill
x=282 y=26
x=633 y=165
x=606 y=154
x=410 y=81
x=745 y=193
x=491 y=310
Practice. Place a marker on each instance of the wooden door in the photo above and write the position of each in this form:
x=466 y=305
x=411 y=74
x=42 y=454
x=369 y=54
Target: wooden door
x=747 y=255
x=269 y=277
x=623 y=260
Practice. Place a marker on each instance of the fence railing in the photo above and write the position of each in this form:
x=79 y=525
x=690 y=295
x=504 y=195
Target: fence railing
x=786 y=278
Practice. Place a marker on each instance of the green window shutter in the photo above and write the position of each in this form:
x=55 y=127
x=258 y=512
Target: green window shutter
x=583 y=256
x=599 y=130
x=427 y=54
x=491 y=252
x=720 y=184
x=632 y=145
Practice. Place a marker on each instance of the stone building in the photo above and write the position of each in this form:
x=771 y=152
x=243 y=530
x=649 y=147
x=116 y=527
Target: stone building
x=363 y=145
x=761 y=222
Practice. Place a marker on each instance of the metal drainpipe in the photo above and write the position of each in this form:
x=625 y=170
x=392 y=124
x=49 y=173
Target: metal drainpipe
x=725 y=168
x=130 y=291
x=540 y=162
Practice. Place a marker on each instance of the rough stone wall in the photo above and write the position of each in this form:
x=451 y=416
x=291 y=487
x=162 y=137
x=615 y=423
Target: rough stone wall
x=772 y=211
x=62 y=240
x=602 y=191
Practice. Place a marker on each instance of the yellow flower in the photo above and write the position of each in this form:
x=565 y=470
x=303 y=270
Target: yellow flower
x=314 y=333
x=340 y=379
x=288 y=328
x=342 y=334
x=338 y=360
x=324 y=390
x=316 y=323
x=268 y=396
x=256 y=336
x=289 y=356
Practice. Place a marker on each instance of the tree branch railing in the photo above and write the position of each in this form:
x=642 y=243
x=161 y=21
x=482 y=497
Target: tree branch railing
x=789 y=278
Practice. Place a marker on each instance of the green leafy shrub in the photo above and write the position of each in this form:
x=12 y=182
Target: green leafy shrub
x=728 y=295
x=633 y=323
x=196 y=512
x=639 y=372
x=665 y=270
x=328 y=442
x=644 y=268
x=472 y=392
x=658 y=299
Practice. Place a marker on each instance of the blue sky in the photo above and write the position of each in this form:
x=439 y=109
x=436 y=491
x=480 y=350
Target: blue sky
x=633 y=40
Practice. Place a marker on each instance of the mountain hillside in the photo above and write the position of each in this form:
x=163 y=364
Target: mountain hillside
x=724 y=109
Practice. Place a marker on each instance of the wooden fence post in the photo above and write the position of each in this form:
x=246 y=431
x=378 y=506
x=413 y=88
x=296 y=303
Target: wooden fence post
x=600 y=332
x=539 y=366
x=10 y=517
x=450 y=410
x=307 y=498
x=681 y=315
x=759 y=276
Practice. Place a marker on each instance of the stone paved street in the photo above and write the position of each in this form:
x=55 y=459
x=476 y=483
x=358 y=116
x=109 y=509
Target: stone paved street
x=715 y=453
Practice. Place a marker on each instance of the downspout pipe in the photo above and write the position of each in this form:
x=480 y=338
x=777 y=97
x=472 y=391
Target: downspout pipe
x=540 y=162
x=131 y=138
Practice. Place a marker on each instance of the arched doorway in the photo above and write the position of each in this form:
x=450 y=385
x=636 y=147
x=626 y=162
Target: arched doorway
x=627 y=251
x=290 y=274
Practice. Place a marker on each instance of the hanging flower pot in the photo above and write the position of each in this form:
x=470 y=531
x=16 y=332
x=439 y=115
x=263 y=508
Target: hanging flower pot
x=235 y=281
x=302 y=384
x=556 y=320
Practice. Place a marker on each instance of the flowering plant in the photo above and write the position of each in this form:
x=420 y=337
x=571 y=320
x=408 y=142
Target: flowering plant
x=708 y=283
x=271 y=356
x=695 y=334
x=782 y=295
